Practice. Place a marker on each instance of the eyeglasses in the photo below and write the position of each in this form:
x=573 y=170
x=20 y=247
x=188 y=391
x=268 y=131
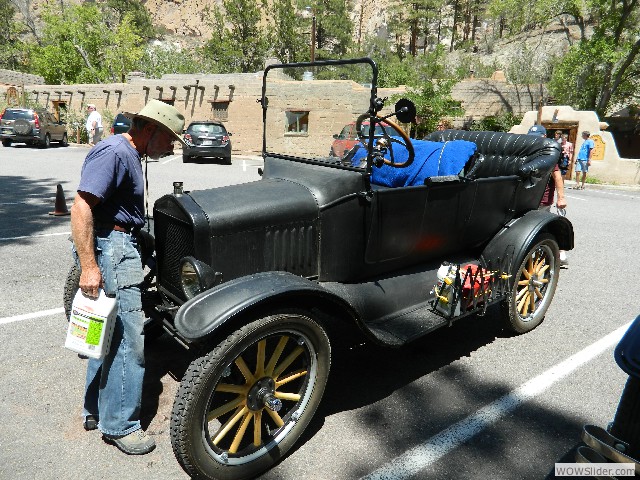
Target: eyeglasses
x=440 y=125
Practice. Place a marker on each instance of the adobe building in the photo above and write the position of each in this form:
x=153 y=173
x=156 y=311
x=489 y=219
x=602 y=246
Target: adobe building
x=606 y=165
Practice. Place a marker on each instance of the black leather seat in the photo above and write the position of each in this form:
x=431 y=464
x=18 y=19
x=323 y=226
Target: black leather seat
x=503 y=154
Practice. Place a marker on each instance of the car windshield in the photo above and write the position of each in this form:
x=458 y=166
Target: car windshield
x=311 y=107
x=206 y=128
x=17 y=114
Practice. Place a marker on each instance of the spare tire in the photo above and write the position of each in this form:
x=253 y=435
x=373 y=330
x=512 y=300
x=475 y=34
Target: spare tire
x=22 y=127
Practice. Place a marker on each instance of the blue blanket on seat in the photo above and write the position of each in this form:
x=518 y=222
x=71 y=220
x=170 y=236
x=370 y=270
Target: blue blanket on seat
x=432 y=159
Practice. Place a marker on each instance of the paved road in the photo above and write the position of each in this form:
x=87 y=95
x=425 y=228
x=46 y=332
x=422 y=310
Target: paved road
x=408 y=411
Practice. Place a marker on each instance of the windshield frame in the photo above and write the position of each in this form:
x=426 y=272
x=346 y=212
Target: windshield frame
x=373 y=90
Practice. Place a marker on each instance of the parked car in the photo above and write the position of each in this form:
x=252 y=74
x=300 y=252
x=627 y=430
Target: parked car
x=348 y=138
x=259 y=281
x=31 y=126
x=208 y=139
x=121 y=124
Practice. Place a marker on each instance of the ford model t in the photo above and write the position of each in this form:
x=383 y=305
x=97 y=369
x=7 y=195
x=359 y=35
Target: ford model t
x=396 y=236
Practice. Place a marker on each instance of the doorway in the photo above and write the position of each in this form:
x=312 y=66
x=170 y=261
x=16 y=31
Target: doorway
x=571 y=130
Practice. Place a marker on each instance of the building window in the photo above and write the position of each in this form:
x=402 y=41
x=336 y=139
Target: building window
x=297 y=121
x=220 y=110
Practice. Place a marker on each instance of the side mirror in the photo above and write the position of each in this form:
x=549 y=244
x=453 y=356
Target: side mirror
x=230 y=134
x=336 y=136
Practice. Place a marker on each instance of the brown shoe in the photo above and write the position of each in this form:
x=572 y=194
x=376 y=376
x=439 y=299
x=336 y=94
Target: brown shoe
x=136 y=443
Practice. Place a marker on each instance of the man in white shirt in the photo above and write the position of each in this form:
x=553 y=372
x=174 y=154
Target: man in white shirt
x=94 y=125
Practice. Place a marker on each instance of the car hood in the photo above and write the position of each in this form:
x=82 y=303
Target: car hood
x=255 y=205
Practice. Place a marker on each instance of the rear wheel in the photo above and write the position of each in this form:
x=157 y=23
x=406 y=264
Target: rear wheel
x=241 y=407
x=226 y=160
x=6 y=143
x=47 y=141
x=186 y=158
x=65 y=141
x=534 y=284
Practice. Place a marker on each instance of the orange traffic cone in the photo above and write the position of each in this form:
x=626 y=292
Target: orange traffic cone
x=61 y=204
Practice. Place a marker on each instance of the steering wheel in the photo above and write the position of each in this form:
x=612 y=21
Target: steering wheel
x=386 y=140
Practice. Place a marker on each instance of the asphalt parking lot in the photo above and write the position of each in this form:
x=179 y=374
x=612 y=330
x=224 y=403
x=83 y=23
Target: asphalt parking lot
x=465 y=402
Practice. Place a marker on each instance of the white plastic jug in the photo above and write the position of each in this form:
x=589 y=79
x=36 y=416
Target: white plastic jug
x=91 y=324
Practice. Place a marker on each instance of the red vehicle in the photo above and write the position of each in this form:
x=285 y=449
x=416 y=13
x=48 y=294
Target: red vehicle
x=348 y=137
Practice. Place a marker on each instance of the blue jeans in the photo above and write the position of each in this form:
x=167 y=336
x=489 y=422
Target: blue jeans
x=113 y=390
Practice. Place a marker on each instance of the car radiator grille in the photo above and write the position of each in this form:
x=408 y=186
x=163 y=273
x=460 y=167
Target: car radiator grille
x=174 y=240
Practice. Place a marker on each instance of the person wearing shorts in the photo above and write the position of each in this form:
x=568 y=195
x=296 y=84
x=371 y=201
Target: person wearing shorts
x=583 y=162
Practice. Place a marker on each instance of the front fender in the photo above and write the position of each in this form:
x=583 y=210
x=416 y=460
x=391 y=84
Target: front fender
x=516 y=237
x=203 y=314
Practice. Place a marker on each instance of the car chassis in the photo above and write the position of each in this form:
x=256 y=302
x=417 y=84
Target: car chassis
x=258 y=280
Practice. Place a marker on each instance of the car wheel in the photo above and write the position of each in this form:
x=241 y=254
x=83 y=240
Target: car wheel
x=65 y=140
x=241 y=407
x=152 y=329
x=186 y=158
x=6 y=143
x=227 y=160
x=47 y=141
x=534 y=284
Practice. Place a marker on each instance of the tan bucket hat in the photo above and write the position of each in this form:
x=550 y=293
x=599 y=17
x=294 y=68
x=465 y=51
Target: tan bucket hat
x=162 y=114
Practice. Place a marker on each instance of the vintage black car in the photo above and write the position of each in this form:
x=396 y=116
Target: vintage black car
x=256 y=279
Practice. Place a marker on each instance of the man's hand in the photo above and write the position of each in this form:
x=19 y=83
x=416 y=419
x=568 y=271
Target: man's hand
x=561 y=202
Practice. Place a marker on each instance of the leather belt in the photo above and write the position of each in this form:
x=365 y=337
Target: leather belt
x=113 y=226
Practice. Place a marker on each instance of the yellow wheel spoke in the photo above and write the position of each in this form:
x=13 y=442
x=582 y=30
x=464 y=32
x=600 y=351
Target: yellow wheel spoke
x=539 y=294
x=226 y=408
x=276 y=418
x=257 y=428
x=262 y=345
x=229 y=388
x=532 y=303
x=240 y=433
x=291 y=376
x=276 y=356
x=246 y=373
x=526 y=273
x=523 y=302
x=294 y=397
x=287 y=361
x=523 y=282
x=543 y=269
x=229 y=424
x=521 y=293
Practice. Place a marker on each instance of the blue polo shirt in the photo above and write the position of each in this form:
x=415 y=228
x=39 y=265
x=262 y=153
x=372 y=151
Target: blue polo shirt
x=112 y=172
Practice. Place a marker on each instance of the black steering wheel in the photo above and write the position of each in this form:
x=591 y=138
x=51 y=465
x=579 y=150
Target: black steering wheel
x=385 y=140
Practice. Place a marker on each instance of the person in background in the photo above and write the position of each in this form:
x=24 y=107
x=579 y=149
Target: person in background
x=583 y=162
x=557 y=136
x=567 y=154
x=94 y=125
x=106 y=215
x=555 y=187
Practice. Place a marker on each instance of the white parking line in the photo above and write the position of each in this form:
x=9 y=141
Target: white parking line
x=35 y=236
x=29 y=316
x=420 y=457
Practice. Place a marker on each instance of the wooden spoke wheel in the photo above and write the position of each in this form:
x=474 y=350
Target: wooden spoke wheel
x=243 y=406
x=534 y=285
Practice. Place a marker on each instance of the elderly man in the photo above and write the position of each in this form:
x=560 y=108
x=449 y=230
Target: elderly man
x=107 y=213
x=94 y=124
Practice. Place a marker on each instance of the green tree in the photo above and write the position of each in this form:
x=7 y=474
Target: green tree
x=238 y=43
x=11 y=48
x=137 y=13
x=603 y=69
x=123 y=54
x=289 y=42
x=333 y=28
x=161 y=59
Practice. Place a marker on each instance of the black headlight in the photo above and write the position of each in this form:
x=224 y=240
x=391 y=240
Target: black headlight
x=197 y=277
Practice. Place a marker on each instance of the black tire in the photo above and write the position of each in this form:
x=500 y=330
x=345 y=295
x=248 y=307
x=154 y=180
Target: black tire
x=193 y=434
x=534 y=284
x=47 y=141
x=6 y=143
x=65 y=140
x=226 y=160
x=71 y=286
x=22 y=127
x=186 y=158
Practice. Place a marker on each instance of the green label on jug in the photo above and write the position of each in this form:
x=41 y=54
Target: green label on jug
x=93 y=335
